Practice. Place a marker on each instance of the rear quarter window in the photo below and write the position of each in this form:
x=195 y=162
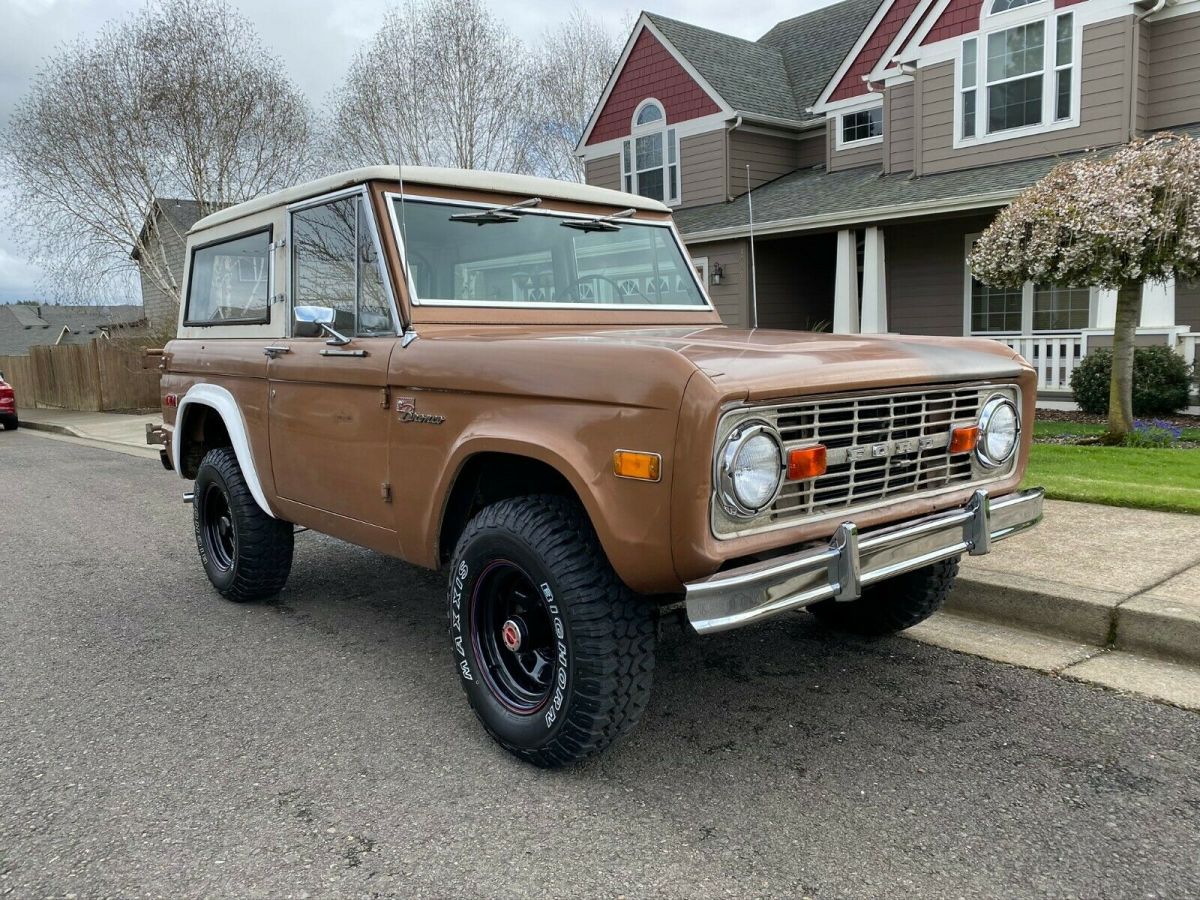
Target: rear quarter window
x=230 y=281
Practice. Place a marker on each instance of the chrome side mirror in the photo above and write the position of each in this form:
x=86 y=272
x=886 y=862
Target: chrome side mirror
x=313 y=321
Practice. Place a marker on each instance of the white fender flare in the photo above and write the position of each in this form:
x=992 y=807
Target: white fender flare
x=222 y=402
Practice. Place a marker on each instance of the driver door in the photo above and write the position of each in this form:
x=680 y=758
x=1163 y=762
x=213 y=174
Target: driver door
x=328 y=382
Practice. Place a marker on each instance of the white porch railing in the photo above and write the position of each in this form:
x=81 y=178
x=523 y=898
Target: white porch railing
x=1055 y=356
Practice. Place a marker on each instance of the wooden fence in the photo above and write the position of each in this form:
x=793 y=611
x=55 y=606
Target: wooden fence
x=95 y=377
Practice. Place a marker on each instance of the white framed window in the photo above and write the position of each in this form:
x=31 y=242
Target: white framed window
x=1029 y=309
x=650 y=157
x=1019 y=78
x=859 y=127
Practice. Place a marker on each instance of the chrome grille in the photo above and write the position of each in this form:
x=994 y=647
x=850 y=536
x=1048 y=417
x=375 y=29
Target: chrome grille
x=881 y=447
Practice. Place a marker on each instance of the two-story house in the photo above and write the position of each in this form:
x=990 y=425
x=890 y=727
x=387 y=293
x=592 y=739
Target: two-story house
x=834 y=172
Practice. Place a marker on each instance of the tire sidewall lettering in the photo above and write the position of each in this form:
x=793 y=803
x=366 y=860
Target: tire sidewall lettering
x=535 y=727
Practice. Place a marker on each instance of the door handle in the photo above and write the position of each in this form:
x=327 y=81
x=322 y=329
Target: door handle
x=276 y=352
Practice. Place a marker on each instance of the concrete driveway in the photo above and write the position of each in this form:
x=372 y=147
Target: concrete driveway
x=157 y=741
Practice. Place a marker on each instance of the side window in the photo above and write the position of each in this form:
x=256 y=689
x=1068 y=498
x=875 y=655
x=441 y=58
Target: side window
x=230 y=281
x=335 y=265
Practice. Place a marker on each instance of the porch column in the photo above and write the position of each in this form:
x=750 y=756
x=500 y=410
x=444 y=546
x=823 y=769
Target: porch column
x=874 y=297
x=845 y=285
x=1158 y=304
x=1106 y=308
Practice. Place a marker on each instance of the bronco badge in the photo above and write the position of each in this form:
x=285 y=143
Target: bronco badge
x=407 y=408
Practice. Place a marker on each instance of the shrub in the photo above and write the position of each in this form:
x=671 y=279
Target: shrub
x=1160 y=382
x=1155 y=433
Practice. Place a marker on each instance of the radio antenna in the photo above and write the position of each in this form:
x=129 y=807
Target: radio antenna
x=753 y=268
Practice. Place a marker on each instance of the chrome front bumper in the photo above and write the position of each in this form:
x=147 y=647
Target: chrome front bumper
x=852 y=562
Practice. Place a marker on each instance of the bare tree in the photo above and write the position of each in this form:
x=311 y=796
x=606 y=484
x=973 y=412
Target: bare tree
x=179 y=100
x=442 y=82
x=574 y=62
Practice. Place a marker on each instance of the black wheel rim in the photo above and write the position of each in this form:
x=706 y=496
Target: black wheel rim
x=506 y=600
x=220 y=534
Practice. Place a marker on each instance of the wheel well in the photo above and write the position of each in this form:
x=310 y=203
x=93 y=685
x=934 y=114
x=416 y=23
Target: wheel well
x=487 y=478
x=202 y=430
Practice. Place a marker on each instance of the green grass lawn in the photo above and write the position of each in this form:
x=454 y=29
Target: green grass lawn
x=1167 y=480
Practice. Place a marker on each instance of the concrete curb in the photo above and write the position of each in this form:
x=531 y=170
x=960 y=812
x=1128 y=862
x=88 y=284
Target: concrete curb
x=91 y=440
x=1144 y=623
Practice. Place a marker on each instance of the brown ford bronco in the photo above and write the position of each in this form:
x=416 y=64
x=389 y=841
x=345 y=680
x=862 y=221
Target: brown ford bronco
x=523 y=383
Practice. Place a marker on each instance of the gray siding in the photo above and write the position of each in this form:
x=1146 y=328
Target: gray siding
x=605 y=172
x=702 y=168
x=167 y=247
x=926 y=267
x=1107 y=63
x=732 y=296
x=870 y=155
x=1187 y=304
x=1141 y=76
x=898 y=128
x=769 y=157
x=1174 y=72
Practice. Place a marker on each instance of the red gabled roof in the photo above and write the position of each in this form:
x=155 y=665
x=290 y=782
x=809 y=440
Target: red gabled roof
x=651 y=71
x=852 y=84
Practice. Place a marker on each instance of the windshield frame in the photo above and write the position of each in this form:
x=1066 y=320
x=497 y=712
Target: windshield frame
x=390 y=198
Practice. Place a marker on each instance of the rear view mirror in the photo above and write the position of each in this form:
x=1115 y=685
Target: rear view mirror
x=309 y=319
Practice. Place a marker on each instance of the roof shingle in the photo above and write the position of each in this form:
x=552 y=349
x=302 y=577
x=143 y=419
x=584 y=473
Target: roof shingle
x=782 y=73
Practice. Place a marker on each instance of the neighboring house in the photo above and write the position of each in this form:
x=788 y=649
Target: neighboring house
x=160 y=262
x=24 y=325
x=880 y=139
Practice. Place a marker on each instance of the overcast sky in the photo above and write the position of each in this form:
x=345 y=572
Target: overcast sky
x=315 y=39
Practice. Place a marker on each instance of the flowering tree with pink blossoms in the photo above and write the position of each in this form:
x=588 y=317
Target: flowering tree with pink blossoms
x=1117 y=223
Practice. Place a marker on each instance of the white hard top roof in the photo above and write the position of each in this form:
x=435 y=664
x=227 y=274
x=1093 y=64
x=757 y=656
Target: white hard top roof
x=466 y=179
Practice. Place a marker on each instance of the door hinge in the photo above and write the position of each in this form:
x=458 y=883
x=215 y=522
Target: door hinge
x=384 y=400
x=385 y=491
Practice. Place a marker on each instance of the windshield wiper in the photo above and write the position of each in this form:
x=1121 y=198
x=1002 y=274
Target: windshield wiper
x=599 y=223
x=501 y=214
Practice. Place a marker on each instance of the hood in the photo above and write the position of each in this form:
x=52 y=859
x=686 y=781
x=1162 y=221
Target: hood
x=767 y=363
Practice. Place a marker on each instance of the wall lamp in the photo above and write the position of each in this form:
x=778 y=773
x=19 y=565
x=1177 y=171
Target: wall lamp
x=718 y=272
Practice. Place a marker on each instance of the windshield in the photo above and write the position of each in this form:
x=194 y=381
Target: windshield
x=535 y=258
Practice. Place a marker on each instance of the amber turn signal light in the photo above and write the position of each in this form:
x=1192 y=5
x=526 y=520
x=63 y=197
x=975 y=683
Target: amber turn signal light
x=806 y=462
x=964 y=439
x=633 y=464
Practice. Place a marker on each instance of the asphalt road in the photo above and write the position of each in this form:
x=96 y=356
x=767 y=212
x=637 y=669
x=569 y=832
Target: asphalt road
x=158 y=741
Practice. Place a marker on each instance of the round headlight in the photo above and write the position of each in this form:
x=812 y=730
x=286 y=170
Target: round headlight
x=999 y=429
x=751 y=468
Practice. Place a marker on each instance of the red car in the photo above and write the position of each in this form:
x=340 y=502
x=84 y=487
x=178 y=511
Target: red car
x=8 y=405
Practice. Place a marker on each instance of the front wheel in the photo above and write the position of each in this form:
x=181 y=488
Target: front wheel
x=555 y=653
x=892 y=605
x=246 y=553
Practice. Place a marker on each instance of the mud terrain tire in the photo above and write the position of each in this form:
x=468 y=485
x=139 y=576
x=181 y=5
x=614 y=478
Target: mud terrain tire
x=892 y=605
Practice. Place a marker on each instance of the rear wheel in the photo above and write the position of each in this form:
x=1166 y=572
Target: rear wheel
x=892 y=605
x=246 y=554
x=10 y=423
x=555 y=653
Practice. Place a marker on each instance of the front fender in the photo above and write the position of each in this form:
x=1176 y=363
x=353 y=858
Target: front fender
x=577 y=440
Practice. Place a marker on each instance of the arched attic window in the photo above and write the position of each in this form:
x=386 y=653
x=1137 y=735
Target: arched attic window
x=650 y=157
x=999 y=6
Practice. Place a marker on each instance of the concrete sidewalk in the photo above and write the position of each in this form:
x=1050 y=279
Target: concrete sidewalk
x=1095 y=593
x=114 y=431
x=1107 y=594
